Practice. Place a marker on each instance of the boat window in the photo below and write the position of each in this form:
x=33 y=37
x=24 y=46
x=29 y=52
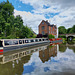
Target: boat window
x=6 y=42
x=39 y=39
x=43 y=39
x=1 y=44
x=10 y=42
x=15 y=42
x=20 y=41
x=26 y=41
x=32 y=40
x=36 y=40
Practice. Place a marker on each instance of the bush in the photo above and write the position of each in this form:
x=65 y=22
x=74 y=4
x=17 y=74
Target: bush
x=62 y=36
x=34 y=36
x=51 y=36
x=39 y=36
x=45 y=36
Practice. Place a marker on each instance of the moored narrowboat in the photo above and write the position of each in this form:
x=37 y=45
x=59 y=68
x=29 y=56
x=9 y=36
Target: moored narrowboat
x=15 y=44
x=56 y=40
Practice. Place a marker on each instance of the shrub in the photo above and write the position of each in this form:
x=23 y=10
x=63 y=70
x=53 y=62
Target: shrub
x=39 y=36
x=45 y=36
x=51 y=36
x=62 y=36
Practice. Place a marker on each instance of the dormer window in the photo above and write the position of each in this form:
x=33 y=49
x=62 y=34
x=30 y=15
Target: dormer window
x=42 y=22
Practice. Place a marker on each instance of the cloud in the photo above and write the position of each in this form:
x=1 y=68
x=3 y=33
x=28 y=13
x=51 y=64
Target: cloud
x=63 y=62
x=59 y=12
x=31 y=20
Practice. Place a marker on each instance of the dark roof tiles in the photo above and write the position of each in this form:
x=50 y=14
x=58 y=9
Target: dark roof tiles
x=51 y=25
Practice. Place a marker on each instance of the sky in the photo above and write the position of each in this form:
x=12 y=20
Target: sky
x=58 y=12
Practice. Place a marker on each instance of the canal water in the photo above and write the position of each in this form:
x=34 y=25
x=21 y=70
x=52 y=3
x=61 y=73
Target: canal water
x=55 y=59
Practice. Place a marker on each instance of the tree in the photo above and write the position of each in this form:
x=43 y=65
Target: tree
x=2 y=23
x=62 y=30
x=73 y=28
x=69 y=30
x=10 y=26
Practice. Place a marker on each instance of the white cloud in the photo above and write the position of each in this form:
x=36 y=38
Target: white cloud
x=65 y=18
x=65 y=8
x=31 y=20
x=64 y=63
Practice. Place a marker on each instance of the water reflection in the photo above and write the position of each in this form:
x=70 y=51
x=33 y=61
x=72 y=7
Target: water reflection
x=45 y=55
x=42 y=60
x=7 y=57
x=63 y=47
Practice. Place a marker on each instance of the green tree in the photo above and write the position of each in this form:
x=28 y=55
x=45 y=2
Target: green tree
x=62 y=30
x=2 y=23
x=10 y=26
x=69 y=30
x=26 y=32
x=73 y=28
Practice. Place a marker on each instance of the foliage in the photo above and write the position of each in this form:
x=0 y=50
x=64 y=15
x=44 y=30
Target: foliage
x=62 y=30
x=34 y=36
x=62 y=48
x=69 y=30
x=10 y=26
x=51 y=36
x=45 y=36
x=62 y=36
x=73 y=28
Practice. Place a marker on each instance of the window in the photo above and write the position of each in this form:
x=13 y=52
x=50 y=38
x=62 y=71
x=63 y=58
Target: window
x=51 y=28
x=36 y=40
x=49 y=31
x=20 y=41
x=43 y=27
x=42 y=22
x=43 y=33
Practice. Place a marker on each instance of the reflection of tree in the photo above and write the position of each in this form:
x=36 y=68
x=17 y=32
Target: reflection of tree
x=62 y=48
x=7 y=69
x=45 y=55
x=72 y=47
x=70 y=42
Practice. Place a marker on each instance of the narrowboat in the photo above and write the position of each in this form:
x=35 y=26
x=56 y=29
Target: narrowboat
x=56 y=40
x=15 y=44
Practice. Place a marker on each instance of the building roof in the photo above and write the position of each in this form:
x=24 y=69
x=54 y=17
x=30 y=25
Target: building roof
x=51 y=25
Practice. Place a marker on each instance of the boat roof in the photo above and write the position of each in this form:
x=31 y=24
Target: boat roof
x=22 y=39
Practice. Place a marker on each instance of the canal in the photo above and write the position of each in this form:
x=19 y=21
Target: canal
x=55 y=59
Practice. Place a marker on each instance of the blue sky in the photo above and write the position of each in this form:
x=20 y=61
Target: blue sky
x=18 y=5
x=59 y=12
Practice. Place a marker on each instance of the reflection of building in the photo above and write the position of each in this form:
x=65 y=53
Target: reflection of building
x=47 y=53
x=46 y=28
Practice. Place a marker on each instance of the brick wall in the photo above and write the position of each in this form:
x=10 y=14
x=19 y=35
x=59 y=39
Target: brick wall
x=48 y=29
x=45 y=29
